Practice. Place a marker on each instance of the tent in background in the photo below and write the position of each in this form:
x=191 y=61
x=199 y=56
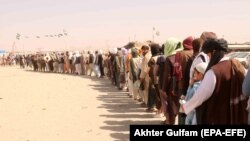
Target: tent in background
x=2 y=52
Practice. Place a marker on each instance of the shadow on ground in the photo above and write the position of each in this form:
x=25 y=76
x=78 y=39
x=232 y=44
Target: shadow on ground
x=123 y=110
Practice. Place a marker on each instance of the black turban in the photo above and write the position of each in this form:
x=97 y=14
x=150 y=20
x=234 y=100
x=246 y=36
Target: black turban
x=215 y=44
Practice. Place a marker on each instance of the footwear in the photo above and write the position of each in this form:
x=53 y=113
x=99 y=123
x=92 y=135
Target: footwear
x=148 y=110
x=154 y=109
x=151 y=110
x=165 y=122
x=143 y=104
x=124 y=89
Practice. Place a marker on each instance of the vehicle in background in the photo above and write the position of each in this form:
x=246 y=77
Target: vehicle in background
x=243 y=57
x=239 y=47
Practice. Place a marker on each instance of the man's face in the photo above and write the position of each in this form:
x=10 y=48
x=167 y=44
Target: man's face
x=145 y=51
x=209 y=55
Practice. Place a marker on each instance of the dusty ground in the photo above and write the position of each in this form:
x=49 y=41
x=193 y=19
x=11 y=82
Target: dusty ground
x=57 y=107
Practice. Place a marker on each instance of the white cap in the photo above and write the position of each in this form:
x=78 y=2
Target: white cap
x=114 y=51
x=201 y=67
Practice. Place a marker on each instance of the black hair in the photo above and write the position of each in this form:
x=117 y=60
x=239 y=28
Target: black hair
x=215 y=58
x=162 y=49
x=155 y=49
x=215 y=44
x=196 y=45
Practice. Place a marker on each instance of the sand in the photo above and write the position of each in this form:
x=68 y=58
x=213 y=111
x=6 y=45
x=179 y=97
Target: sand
x=37 y=106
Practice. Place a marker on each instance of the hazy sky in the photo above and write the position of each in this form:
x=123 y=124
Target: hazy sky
x=113 y=23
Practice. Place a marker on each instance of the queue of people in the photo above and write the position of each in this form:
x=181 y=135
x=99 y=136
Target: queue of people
x=191 y=80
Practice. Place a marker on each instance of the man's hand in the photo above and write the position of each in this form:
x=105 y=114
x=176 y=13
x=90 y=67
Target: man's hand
x=182 y=97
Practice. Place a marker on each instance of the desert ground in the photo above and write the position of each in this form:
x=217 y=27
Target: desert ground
x=36 y=106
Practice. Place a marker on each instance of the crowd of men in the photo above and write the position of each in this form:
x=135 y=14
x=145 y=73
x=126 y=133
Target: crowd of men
x=192 y=80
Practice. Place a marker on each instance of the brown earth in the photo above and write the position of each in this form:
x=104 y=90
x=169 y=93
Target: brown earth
x=37 y=106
